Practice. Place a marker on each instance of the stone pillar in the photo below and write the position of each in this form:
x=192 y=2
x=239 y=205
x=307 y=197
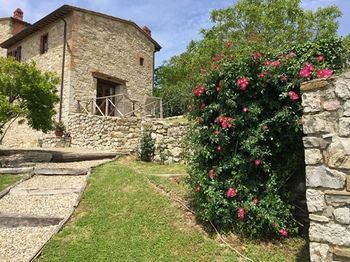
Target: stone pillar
x=326 y=125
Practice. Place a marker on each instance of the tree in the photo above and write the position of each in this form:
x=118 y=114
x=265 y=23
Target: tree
x=244 y=27
x=26 y=92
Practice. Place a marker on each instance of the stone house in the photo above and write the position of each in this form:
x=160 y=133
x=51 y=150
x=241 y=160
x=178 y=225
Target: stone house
x=106 y=64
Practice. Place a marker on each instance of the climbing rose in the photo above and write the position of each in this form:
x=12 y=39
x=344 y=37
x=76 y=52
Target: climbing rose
x=276 y=63
x=283 y=232
x=219 y=148
x=324 y=73
x=267 y=63
x=283 y=78
x=263 y=74
x=231 y=192
x=304 y=73
x=199 y=91
x=225 y=122
x=320 y=58
x=257 y=56
x=245 y=109
x=293 y=96
x=257 y=162
x=197 y=189
x=292 y=55
x=309 y=67
x=241 y=213
x=228 y=44
x=211 y=174
x=216 y=132
x=255 y=200
x=243 y=82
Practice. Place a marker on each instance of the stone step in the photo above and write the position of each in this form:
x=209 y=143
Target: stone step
x=12 y=221
x=60 y=171
x=42 y=191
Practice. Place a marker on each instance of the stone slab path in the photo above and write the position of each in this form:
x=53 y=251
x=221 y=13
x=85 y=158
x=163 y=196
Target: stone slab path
x=35 y=209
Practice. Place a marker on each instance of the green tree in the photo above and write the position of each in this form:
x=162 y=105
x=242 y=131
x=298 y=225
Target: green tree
x=26 y=92
x=246 y=26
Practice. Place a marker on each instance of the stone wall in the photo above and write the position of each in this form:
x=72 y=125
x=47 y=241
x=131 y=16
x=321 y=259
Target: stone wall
x=5 y=33
x=106 y=46
x=326 y=124
x=124 y=134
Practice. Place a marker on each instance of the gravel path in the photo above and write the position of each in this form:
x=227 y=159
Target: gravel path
x=41 y=198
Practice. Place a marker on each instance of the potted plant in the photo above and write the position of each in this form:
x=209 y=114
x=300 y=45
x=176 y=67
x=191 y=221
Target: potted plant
x=59 y=129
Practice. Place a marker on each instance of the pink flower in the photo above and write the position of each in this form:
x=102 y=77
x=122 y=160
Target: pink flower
x=283 y=78
x=218 y=88
x=267 y=63
x=243 y=82
x=241 y=213
x=211 y=173
x=273 y=224
x=257 y=162
x=245 y=109
x=283 y=232
x=309 y=67
x=216 y=132
x=255 y=200
x=225 y=122
x=320 y=58
x=263 y=74
x=231 y=192
x=324 y=73
x=304 y=73
x=276 y=63
x=293 y=96
x=257 y=56
x=197 y=189
x=218 y=148
x=199 y=91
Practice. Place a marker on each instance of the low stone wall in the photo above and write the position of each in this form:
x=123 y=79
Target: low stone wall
x=124 y=134
x=53 y=141
x=326 y=123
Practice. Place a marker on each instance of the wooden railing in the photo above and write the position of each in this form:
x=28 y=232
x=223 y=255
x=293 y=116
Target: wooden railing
x=121 y=106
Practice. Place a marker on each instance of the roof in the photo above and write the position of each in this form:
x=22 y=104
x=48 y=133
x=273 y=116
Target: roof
x=60 y=13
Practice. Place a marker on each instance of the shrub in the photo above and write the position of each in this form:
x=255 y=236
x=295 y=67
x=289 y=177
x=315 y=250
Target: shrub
x=147 y=145
x=247 y=136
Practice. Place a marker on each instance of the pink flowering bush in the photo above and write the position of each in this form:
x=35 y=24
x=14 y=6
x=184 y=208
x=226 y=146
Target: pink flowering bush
x=247 y=137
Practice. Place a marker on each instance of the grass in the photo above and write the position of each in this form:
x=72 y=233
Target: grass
x=7 y=180
x=123 y=218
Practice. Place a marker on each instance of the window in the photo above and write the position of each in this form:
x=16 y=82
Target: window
x=142 y=60
x=18 y=54
x=44 y=44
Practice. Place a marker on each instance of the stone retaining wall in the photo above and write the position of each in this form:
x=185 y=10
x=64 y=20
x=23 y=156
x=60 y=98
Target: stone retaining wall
x=326 y=124
x=124 y=134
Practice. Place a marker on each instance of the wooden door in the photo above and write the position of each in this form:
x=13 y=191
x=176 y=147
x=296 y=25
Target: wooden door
x=105 y=90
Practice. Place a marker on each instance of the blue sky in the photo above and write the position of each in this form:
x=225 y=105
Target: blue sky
x=173 y=22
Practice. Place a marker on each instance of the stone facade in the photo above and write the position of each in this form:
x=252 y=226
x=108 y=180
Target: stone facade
x=97 y=45
x=5 y=33
x=326 y=124
x=124 y=135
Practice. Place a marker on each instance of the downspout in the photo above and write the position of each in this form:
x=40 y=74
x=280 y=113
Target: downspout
x=62 y=72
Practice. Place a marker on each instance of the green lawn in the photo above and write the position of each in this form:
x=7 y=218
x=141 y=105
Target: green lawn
x=7 y=180
x=123 y=218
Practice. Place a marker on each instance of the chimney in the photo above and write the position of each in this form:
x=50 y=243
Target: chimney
x=18 y=14
x=147 y=30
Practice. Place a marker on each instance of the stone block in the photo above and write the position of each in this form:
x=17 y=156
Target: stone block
x=314 y=142
x=311 y=102
x=348 y=183
x=317 y=218
x=342 y=215
x=342 y=90
x=314 y=84
x=321 y=176
x=315 y=200
x=313 y=156
x=344 y=126
x=319 y=123
x=346 y=107
x=319 y=252
x=343 y=253
x=337 y=198
x=331 y=105
x=331 y=233
x=339 y=153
